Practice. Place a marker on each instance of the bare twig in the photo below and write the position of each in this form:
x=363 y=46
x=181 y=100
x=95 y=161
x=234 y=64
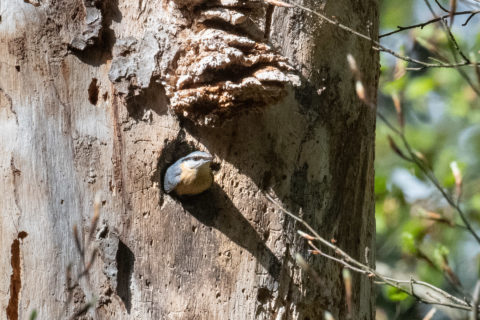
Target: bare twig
x=375 y=44
x=455 y=48
x=420 y=290
x=469 y=18
x=447 y=29
x=433 y=179
x=436 y=19
x=442 y=7
x=411 y=156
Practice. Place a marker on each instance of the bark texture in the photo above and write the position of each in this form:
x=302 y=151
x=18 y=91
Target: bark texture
x=97 y=98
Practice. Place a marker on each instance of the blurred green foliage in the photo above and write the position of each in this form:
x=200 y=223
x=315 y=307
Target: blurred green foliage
x=418 y=234
x=33 y=315
x=395 y=294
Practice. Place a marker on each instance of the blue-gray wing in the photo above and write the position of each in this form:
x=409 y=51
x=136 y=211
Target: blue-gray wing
x=172 y=177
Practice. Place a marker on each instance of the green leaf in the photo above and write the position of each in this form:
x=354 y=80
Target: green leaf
x=380 y=223
x=475 y=202
x=419 y=87
x=33 y=315
x=440 y=252
x=395 y=294
x=421 y=138
x=380 y=184
x=409 y=243
x=394 y=86
x=395 y=13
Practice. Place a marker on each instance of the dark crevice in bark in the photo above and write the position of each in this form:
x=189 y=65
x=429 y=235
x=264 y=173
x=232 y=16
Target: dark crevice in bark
x=125 y=260
x=93 y=91
x=245 y=29
x=263 y=295
x=268 y=21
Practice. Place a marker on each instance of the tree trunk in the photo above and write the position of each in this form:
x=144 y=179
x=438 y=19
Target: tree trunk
x=97 y=98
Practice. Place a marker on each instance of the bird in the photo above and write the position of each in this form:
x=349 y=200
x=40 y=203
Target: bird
x=189 y=175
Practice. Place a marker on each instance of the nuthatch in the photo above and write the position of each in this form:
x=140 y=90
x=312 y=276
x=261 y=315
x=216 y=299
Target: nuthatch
x=189 y=175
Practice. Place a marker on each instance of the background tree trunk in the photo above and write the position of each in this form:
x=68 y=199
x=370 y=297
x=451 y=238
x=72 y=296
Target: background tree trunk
x=84 y=87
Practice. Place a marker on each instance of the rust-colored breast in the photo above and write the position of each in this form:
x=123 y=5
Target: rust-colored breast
x=194 y=181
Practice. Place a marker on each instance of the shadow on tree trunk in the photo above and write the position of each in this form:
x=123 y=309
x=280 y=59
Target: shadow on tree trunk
x=213 y=208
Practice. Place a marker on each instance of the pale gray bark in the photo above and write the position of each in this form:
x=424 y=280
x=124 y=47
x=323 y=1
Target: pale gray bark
x=88 y=96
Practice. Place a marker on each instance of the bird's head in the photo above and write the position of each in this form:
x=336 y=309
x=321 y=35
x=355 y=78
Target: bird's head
x=197 y=159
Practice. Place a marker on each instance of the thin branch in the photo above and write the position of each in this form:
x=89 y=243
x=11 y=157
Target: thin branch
x=411 y=156
x=469 y=18
x=423 y=24
x=448 y=29
x=344 y=263
x=420 y=290
x=442 y=7
x=375 y=44
x=455 y=48
x=433 y=179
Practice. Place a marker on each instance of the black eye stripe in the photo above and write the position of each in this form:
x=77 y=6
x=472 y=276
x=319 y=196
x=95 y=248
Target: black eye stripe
x=198 y=158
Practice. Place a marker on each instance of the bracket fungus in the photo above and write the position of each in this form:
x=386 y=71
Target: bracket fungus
x=216 y=62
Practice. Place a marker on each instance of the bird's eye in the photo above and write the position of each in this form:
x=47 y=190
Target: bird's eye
x=197 y=158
